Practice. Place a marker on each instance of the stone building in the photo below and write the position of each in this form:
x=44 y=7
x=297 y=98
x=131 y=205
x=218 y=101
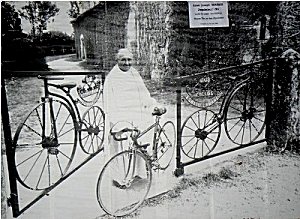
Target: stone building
x=100 y=32
x=159 y=35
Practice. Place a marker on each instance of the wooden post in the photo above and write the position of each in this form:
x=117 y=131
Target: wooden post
x=284 y=124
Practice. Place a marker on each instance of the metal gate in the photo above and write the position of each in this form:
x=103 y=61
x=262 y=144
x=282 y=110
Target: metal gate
x=90 y=89
x=236 y=98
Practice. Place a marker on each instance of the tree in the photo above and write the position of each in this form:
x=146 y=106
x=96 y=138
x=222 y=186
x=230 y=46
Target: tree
x=78 y=7
x=74 y=11
x=10 y=21
x=39 y=14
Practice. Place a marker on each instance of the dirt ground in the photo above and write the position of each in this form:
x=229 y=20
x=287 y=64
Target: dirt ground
x=254 y=185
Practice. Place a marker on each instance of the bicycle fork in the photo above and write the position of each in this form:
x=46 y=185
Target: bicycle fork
x=49 y=140
x=130 y=170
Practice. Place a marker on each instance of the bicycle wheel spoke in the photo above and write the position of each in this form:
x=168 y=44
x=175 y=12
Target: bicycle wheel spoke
x=65 y=122
x=195 y=123
x=33 y=130
x=101 y=122
x=188 y=142
x=66 y=132
x=236 y=109
x=254 y=126
x=49 y=172
x=85 y=137
x=259 y=119
x=59 y=165
x=32 y=165
x=89 y=118
x=95 y=116
x=244 y=126
x=59 y=108
x=206 y=145
x=188 y=136
x=233 y=118
x=38 y=182
x=250 y=128
x=239 y=131
x=210 y=139
x=208 y=123
x=69 y=158
x=92 y=145
x=30 y=157
x=26 y=145
x=39 y=117
x=190 y=128
x=234 y=125
x=196 y=147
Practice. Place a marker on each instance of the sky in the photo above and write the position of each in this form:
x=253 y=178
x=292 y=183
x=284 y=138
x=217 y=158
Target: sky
x=61 y=20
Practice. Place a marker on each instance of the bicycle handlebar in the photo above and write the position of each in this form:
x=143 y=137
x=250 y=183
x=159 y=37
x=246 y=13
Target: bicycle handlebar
x=114 y=134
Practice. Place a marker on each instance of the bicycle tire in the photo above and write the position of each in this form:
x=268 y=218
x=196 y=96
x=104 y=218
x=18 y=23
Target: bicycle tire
x=166 y=142
x=197 y=132
x=92 y=129
x=118 y=191
x=32 y=152
x=241 y=119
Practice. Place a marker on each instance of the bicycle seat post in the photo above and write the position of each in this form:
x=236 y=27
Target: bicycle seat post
x=46 y=86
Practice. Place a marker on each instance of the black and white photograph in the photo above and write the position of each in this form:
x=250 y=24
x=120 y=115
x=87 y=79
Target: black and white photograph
x=150 y=109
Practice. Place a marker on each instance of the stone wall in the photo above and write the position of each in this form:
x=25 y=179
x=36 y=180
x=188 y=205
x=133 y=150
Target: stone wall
x=163 y=43
x=167 y=46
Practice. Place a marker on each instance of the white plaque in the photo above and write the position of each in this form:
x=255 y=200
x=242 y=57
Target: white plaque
x=208 y=14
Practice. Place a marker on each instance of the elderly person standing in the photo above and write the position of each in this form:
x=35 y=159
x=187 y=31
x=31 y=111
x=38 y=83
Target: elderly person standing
x=126 y=98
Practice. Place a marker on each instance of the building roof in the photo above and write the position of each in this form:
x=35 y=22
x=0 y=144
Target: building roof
x=94 y=10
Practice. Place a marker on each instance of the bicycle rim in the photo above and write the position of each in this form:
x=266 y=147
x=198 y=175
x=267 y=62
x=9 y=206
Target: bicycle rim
x=200 y=134
x=245 y=112
x=119 y=190
x=41 y=161
x=91 y=132
x=166 y=145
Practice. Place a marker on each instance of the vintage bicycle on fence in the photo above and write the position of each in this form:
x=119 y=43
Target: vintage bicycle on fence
x=242 y=111
x=45 y=141
x=125 y=179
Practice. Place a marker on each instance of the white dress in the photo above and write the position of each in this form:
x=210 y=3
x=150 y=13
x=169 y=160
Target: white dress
x=126 y=98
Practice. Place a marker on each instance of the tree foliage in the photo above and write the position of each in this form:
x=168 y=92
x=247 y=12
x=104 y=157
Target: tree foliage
x=10 y=21
x=74 y=11
x=39 y=13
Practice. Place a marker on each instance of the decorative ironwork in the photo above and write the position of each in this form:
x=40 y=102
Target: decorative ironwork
x=90 y=89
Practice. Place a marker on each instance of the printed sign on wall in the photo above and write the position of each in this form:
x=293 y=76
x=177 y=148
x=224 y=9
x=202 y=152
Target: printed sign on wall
x=208 y=14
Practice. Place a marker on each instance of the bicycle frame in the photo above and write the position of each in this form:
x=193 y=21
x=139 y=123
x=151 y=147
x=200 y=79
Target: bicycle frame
x=72 y=104
x=157 y=127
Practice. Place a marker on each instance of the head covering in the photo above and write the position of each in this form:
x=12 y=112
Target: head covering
x=124 y=53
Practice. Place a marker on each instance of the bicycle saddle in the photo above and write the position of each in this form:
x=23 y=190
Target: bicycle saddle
x=159 y=111
x=67 y=85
